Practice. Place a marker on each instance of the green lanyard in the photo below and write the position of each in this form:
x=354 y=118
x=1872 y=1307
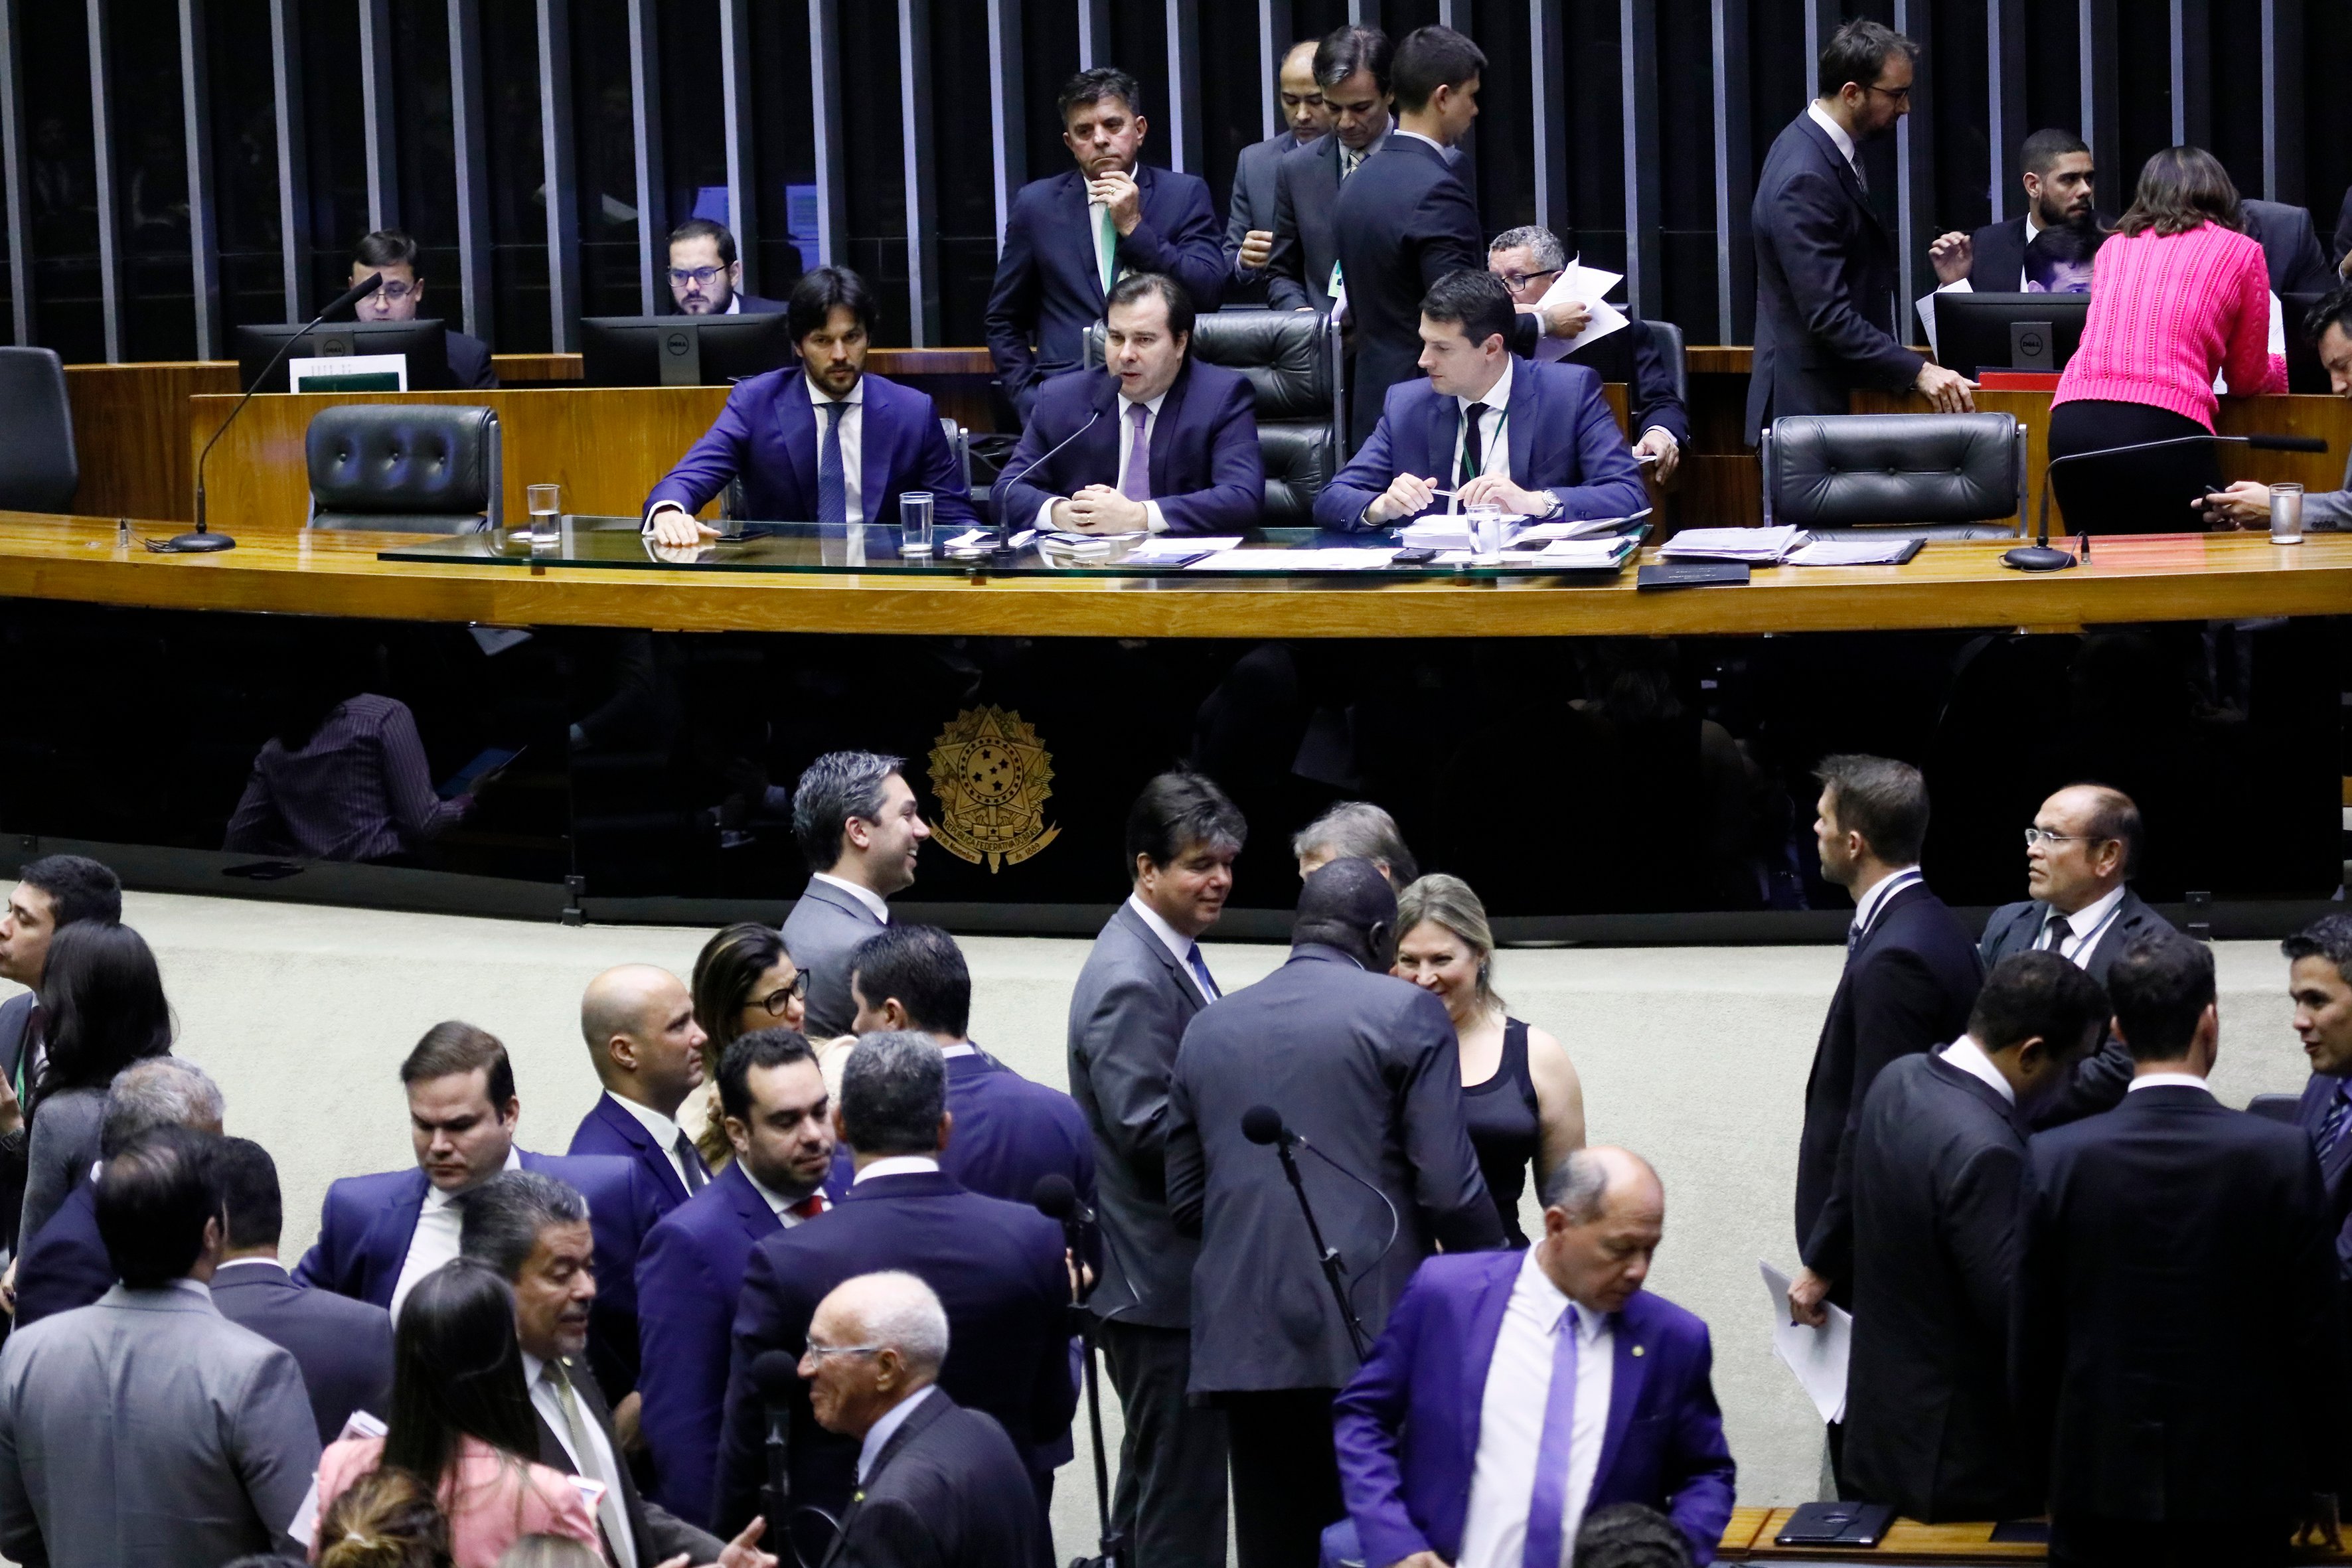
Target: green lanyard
x=1462 y=444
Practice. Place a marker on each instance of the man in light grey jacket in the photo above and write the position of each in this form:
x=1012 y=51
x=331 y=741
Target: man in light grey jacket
x=859 y=828
x=2247 y=503
x=147 y=1427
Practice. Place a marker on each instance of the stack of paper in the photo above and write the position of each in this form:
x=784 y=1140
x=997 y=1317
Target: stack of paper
x=1172 y=549
x=1818 y=1356
x=1559 y=556
x=1343 y=559
x=1851 y=553
x=1575 y=528
x=1586 y=285
x=1757 y=546
x=1449 y=530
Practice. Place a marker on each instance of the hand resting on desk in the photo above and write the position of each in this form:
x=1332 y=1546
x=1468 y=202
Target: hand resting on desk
x=671 y=527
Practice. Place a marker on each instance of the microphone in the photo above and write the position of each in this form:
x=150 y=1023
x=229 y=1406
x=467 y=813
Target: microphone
x=1056 y=1199
x=1264 y=1124
x=1029 y=467
x=776 y=1374
x=202 y=539
x=2039 y=557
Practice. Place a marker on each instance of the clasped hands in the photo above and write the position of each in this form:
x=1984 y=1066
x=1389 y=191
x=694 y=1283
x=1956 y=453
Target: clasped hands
x=1409 y=495
x=1099 y=508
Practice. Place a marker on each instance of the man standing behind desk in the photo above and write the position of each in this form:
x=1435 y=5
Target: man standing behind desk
x=1825 y=272
x=706 y=277
x=393 y=254
x=821 y=442
x=1069 y=238
x=1157 y=441
x=856 y=818
x=1352 y=66
x=1250 y=221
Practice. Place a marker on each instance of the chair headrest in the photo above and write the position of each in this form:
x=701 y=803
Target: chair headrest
x=1843 y=469
x=1284 y=353
x=402 y=458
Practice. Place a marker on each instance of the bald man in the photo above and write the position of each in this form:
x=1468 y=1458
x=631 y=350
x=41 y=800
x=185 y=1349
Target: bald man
x=647 y=1049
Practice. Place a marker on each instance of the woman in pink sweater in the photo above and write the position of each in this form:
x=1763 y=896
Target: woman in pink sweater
x=2178 y=293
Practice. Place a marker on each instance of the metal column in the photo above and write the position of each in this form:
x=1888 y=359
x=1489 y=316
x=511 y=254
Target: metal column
x=1637 y=55
x=1735 y=179
x=735 y=93
x=2004 y=102
x=1914 y=177
x=645 y=145
x=557 y=164
x=470 y=130
x=1273 y=41
x=112 y=297
x=13 y=176
x=1094 y=34
x=380 y=133
x=2283 y=100
x=824 y=106
x=2192 y=73
x=922 y=228
x=2095 y=31
x=293 y=166
x=1184 y=87
x=203 y=219
x=1006 y=126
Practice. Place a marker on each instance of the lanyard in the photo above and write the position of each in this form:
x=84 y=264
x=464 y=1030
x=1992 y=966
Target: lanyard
x=1462 y=449
x=2083 y=944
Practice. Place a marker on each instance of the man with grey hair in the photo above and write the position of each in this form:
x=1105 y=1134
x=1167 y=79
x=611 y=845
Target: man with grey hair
x=533 y=1230
x=998 y=1268
x=65 y=1263
x=938 y=1484
x=859 y=828
x=1509 y=1367
x=1360 y=830
x=1529 y=260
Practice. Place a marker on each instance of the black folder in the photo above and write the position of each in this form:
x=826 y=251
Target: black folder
x=1836 y=1524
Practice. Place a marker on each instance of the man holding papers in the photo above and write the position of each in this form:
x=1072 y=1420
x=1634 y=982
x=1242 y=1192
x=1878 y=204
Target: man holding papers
x=1486 y=425
x=1941 y=1169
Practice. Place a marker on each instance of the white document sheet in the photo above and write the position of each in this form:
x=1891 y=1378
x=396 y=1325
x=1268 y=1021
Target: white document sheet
x=1343 y=559
x=1587 y=286
x=305 y=1523
x=1818 y=1356
x=1759 y=546
x=1169 y=547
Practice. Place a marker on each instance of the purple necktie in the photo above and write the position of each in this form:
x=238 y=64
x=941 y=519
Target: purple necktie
x=1137 y=484
x=1548 y=1506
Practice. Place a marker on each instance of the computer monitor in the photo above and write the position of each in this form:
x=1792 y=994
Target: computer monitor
x=427 y=344
x=2008 y=331
x=682 y=351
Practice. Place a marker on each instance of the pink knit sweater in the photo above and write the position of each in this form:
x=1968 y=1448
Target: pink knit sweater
x=2167 y=310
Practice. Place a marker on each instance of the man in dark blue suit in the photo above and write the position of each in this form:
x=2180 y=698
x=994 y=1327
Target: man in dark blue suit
x=401 y=298
x=2319 y=984
x=1825 y=272
x=1352 y=67
x=1529 y=260
x=379 y=1235
x=779 y=1120
x=998 y=1266
x=1486 y=425
x=344 y=1347
x=1457 y=1436
x=1070 y=236
x=1252 y=218
x=647 y=1052
x=1156 y=442
x=821 y=442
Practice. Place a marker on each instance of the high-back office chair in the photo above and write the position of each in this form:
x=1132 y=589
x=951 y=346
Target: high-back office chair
x=1669 y=338
x=1921 y=475
x=38 y=470
x=1292 y=359
x=405 y=467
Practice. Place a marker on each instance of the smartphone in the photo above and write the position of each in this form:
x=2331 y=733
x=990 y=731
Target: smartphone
x=1420 y=555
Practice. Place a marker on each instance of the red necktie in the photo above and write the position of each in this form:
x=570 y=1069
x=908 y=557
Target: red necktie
x=808 y=1207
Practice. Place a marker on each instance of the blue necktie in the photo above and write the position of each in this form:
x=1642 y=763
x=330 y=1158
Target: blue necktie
x=1200 y=968
x=2330 y=1130
x=832 y=490
x=1548 y=1506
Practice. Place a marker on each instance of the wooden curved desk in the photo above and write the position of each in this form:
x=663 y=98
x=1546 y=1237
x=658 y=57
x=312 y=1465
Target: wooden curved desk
x=1957 y=584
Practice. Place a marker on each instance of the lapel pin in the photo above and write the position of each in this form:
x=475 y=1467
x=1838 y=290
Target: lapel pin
x=1637 y=1350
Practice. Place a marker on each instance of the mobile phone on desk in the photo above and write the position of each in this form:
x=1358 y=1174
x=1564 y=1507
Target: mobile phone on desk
x=1418 y=555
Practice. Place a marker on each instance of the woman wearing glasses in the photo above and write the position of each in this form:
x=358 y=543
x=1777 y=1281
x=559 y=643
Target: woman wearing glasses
x=743 y=980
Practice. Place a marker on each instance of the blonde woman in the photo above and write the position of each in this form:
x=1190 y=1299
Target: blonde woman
x=1520 y=1091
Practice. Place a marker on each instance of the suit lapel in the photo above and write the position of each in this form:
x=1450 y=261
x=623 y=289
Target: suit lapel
x=759 y=1220
x=1478 y=1345
x=388 y=1237
x=1163 y=429
x=873 y=458
x=650 y=1155
x=1527 y=399
x=1846 y=178
x=1444 y=438
x=1186 y=986
x=797 y=427
x=1081 y=218
x=1632 y=1352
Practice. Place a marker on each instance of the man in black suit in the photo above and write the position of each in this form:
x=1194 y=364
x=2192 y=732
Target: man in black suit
x=1362 y=1065
x=393 y=254
x=2290 y=246
x=998 y=1265
x=1911 y=976
x=533 y=1230
x=2059 y=176
x=1143 y=982
x=50 y=894
x=2080 y=853
x=2319 y=984
x=2179 y=1344
x=939 y=1486
x=1825 y=272
x=706 y=275
x=1352 y=66
x=344 y=1347
x=1941 y=1172
x=1251 y=218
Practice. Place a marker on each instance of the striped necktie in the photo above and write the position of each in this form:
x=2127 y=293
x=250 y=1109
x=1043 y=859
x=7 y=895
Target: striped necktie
x=2339 y=1109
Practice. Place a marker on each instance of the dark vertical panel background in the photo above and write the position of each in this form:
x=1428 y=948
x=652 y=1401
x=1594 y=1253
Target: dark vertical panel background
x=872 y=135
x=518 y=203
x=245 y=161
x=786 y=136
x=151 y=184
x=333 y=123
x=963 y=193
x=1685 y=160
x=426 y=147
x=604 y=151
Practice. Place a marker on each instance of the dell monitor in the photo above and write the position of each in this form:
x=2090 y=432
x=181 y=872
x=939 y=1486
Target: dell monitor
x=425 y=344
x=2008 y=331
x=682 y=351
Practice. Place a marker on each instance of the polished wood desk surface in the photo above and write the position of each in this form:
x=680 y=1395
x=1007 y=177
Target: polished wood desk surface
x=1950 y=585
x=1749 y=1538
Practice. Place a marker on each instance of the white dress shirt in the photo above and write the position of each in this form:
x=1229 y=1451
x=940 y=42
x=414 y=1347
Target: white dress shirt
x=1970 y=1057
x=665 y=1131
x=780 y=1206
x=1511 y=1420
x=1152 y=517
x=1838 y=138
x=863 y=894
x=1865 y=909
x=2169 y=1080
x=1452 y=156
x=882 y=1431
x=853 y=443
x=549 y=1406
x=2083 y=928
x=1351 y=162
x=1493 y=435
x=897 y=1166
x=434 y=1242
x=1178 y=944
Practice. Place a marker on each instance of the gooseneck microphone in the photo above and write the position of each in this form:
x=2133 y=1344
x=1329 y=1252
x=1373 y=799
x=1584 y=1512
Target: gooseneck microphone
x=1055 y=1197
x=202 y=539
x=2039 y=557
x=1004 y=530
x=776 y=1374
x=1264 y=1124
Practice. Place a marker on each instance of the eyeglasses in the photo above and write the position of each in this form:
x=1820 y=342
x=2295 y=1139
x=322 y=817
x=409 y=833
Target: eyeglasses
x=706 y=275
x=776 y=1001
x=1900 y=94
x=2035 y=835
x=1515 y=281
x=818 y=1352
x=398 y=290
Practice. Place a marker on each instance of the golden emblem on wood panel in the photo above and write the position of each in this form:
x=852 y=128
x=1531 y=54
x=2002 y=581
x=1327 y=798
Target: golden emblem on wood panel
x=990 y=773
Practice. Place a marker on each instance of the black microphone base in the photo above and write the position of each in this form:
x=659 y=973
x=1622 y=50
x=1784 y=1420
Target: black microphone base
x=2038 y=558
x=198 y=544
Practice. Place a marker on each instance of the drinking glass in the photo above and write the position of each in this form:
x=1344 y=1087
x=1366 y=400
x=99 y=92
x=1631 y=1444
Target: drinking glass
x=915 y=522
x=546 y=516
x=2286 y=514
x=1486 y=532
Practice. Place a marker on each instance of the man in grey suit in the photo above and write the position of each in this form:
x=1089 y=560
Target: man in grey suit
x=1363 y=1067
x=858 y=829
x=1352 y=66
x=2247 y=503
x=1250 y=220
x=147 y=1429
x=1142 y=984
x=2080 y=853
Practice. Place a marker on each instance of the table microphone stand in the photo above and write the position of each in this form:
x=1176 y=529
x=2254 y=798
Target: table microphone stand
x=1330 y=1256
x=2039 y=557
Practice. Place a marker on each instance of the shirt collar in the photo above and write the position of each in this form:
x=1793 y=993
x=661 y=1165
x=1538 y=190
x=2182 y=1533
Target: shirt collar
x=958 y=1049
x=775 y=1200
x=898 y=1165
x=1551 y=1300
x=531 y=1367
x=865 y=895
x=734 y=304
x=1497 y=396
x=1970 y=1057
x=1443 y=149
x=1828 y=121
x=2085 y=921
x=664 y=1129
x=246 y=1263
x=1177 y=943
x=434 y=1198
x=1886 y=886
x=882 y=1430
x=855 y=398
x=2169 y=1080
x=2031 y=228
x=1378 y=143
x=1152 y=403
x=193 y=1287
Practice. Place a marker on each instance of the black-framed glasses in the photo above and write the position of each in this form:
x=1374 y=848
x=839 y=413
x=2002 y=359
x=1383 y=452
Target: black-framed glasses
x=777 y=1001
x=398 y=291
x=1900 y=94
x=706 y=275
x=1515 y=281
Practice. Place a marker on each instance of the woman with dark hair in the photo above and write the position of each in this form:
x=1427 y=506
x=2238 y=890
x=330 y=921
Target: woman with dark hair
x=2178 y=293
x=743 y=980
x=461 y=1418
x=101 y=998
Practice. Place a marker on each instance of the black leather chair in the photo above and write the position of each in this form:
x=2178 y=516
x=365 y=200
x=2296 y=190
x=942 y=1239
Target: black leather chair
x=1292 y=359
x=405 y=467
x=1669 y=338
x=38 y=472
x=1922 y=476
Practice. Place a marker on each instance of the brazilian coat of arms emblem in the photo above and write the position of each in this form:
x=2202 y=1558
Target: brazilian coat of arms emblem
x=991 y=775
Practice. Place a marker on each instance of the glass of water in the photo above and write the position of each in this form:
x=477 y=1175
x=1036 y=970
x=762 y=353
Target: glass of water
x=2286 y=514
x=915 y=522
x=546 y=516
x=1485 y=532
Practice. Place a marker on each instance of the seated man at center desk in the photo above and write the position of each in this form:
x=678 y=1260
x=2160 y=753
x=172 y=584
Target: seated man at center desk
x=1155 y=440
x=1486 y=425
x=822 y=441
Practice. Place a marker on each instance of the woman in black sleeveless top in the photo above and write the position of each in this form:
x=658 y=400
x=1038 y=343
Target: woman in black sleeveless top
x=1519 y=1092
